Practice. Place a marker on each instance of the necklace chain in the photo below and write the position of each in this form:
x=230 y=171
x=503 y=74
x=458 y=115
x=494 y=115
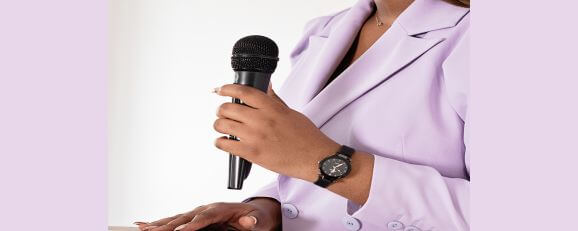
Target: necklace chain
x=379 y=22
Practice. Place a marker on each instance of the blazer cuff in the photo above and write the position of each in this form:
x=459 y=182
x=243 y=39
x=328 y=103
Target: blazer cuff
x=271 y=190
x=408 y=195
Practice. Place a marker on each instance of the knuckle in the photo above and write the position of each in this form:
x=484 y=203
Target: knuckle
x=188 y=217
x=209 y=213
x=258 y=138
x=261 y=136
x=217 y=204
x=227 y=107
x=242 y=92
x=253 y=151
x=202 y=216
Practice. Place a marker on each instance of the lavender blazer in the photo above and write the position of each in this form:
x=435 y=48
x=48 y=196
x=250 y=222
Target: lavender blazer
x=405 y=101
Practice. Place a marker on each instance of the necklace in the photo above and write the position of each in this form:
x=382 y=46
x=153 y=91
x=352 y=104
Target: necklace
x=379 y=23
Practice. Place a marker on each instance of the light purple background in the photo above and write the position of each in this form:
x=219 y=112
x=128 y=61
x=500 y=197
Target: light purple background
x=53 y=66
x=524 y=112
x=53 y=71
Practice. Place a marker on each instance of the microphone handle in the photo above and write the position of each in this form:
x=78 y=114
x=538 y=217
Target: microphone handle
x=239 y=168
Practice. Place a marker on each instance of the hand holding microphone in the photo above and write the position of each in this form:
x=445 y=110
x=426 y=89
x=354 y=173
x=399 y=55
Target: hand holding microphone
x=262 y=128
x=254 y=60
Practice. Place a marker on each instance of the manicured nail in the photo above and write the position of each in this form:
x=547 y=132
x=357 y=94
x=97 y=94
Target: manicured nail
x=180 y=227
x=216 y=89
x=254 y=220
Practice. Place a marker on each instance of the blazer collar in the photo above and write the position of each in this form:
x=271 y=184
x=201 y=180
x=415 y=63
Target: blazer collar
x=325 y=53
x=421 y=15
x=429 y=15
x=396 y=49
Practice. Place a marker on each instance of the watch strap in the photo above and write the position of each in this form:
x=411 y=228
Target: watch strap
x=347 y=151
x=323 y=182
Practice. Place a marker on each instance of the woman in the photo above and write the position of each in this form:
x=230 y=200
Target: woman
x=378 y=95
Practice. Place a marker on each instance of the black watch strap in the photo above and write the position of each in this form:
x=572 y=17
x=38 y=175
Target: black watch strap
x=347 y=151
x=323 y=182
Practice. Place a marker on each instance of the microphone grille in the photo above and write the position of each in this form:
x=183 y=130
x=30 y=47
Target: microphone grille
x=255 y=53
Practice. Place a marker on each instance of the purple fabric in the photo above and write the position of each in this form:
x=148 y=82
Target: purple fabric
x=404 y=101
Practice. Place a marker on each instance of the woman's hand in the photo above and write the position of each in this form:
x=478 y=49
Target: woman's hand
x=271 y=134
x=260 y=214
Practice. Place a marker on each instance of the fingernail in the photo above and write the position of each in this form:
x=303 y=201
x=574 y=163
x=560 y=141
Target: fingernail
x=216 y=89
x=254 y=219
x=139 y=223
x=180 y=227
x=150 y=227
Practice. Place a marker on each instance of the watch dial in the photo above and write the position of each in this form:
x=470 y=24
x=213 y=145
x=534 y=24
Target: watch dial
x=334 y=167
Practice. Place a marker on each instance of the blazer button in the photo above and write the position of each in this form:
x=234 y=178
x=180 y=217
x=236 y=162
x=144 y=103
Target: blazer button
x=411 y=228
x=395 y=225
x=289 y=211
x=351 y=223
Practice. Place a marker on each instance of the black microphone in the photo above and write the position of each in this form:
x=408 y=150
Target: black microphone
x=254 y=60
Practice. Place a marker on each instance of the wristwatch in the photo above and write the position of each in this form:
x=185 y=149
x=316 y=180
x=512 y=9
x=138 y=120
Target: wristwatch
x=335 y=167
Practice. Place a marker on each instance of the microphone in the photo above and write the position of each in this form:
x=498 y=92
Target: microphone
x=254 y=60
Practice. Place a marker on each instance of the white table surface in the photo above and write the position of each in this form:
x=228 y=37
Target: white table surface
x=119 y=228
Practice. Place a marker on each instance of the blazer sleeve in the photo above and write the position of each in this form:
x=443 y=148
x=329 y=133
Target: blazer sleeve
x=270 y=191
x=417 y=196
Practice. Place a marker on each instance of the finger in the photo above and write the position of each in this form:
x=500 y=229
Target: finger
x=183 y=219
x=232 y=146
x=231 y=127
x=140 y=224
x=248 y=222
x=175 y=223
x=143 y=226
x=252 y=221
x=157 y=223
x=214 y=215
x=237 y=112
x=249 y=95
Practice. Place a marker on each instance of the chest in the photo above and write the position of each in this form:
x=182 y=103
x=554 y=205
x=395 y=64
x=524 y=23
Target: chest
x=367 y=36
x=391 y=102
x=407 y=118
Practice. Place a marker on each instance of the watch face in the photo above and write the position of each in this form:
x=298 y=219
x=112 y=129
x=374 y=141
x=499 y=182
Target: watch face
x=335 y=167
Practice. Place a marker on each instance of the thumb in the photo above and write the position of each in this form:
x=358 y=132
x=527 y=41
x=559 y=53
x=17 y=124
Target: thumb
x=272 y=93
x=248 y=222
x=255 y=221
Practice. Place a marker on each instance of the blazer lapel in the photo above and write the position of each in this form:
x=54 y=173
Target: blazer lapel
x=295 y=91
x=396 y=49
x=369 y=70
x=323 y=56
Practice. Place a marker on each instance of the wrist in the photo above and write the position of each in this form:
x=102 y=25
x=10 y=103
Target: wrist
x=311 y=173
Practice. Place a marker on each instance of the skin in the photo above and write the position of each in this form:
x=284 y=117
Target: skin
x=282 y=140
